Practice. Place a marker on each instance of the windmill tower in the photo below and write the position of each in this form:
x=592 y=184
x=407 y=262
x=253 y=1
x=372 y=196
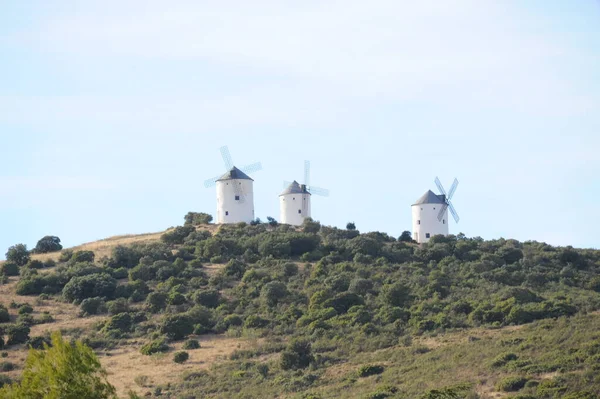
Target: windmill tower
x=235 y=192
x=430 y=213
x=294 y=201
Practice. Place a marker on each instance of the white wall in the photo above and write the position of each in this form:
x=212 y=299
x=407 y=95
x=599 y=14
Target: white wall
x=290 y=204
x=427 y=214
x=230 y=210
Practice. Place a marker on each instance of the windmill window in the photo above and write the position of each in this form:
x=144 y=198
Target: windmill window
x=299 y=211
x=226 y=213
x=237 y=197
x=434 y=208
x=294 y=198
x=443 y=221
x=427 y=235
x=418 y=222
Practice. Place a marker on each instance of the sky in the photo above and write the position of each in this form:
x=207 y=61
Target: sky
x=112 y=112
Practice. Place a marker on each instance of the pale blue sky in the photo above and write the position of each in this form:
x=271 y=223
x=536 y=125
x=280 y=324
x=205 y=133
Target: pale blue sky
x=112 y=112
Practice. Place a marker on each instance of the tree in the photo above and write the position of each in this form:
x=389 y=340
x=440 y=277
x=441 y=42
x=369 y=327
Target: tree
x=90 y=286
x=298 y=355
x=48 y=244
x=272 y=222
x=405 y=236
x=18 y=254
x=62 y=370
x=9 y=269
x=396 y=294
x=197 y=218
x=273 y=291
x=350 y=226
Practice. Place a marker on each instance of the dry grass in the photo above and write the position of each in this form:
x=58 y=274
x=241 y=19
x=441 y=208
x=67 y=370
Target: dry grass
x=126 y=363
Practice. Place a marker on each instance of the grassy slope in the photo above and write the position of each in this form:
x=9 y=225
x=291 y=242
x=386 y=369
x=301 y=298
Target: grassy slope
x=426 y=363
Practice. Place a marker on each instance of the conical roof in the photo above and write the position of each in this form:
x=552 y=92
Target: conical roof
x=431 y=198
x=295 y=188
x=235 y=173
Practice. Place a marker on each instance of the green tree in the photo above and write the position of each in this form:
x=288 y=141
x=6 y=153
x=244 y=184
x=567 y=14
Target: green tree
x=61 y=371
x=197 y=218
x=350 y=226
x=48 y=244
x=405 y=236
x=18 y=254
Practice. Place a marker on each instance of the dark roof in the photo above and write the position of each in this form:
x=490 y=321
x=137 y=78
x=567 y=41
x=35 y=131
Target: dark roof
x=234 y=173
x=431 y=198
x=295 y=188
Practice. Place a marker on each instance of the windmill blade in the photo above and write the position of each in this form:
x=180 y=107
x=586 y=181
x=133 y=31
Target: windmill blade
x=226 y=157
x=307 y=173
x=439 y=186
x=453 y=212
x=442 y=212
x=255 y=167
x=452 y=189
x=211 y=182
x=323 y=192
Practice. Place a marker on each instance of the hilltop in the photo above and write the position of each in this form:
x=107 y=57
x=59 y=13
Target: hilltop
x=270 y=310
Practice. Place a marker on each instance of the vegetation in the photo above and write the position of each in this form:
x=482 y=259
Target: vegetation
x=335 y=311
x=62 y=370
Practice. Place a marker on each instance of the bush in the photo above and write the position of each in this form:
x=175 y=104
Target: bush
x=119 y=305
x=297 y=355
x=25 y=309
x=197 y=218
x=370 y=369
x=254 y=321
x=176 y=327
x=511 y=384
x=273 y=292
x=209 y=298
x=7 y=366
x=9 y=269
x=180 y=357
x=48 y=244
x=177 y=235
x=90 y=286
x=156 y=346
x=396 y=294
x=503 y=358
x=82 y=257
x=120 y=323
x=156 y=301
x=4 y=315
x=18 y=254
x=17 y=334
x=191 y=344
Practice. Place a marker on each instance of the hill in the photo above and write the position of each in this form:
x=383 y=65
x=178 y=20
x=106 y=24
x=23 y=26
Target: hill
x=316 y=312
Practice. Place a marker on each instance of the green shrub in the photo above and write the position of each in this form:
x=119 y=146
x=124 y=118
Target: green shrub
x=370 y=369
x=91 y=306
x=254 y=321
x=298 y=355
x=119 y=305
x=90 y=286
x=180 y=357
x=503 y=358
x=4 y=315
x=191 y=344
x=48 y=244
x=18 y=254
x=197 y=218
x=511 y=384
x=156 y=301
x=176 y=327
x=17 y=334
x=209 y=298
x=156 y=346
x=6 y=366
x=9 y=269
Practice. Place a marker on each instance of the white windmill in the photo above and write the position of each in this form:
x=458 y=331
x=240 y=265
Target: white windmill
x=294 y=201
x=430 y=213
x=235 y=193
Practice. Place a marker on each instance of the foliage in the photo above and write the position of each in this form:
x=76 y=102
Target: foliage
x=191 y=344
x=18 y=254
x=156 y=346
x=62 y=370
x=181 y=357
x=197 y=218
x=90 y=286
x=48 y=244
x=370 y=369
x=9 y=269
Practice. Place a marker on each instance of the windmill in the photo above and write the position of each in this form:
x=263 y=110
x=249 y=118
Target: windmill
x=310 y=188
x=446 y=198
x=234 y=172
x=294 y=201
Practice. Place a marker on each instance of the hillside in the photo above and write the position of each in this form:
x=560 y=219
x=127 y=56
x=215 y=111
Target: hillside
x=316 y=312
